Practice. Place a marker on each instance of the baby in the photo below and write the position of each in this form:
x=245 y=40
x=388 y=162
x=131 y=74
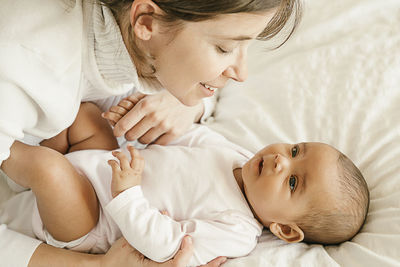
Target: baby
x=212 y=189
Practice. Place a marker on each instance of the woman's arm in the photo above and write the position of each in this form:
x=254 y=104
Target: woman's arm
x=46 y=255
x=17 y=113
x=33 y=98
x=120 y=254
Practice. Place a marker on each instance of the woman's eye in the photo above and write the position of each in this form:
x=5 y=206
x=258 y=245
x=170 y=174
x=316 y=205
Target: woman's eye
x=292 y=183
x=223 y=51
x=295 y=151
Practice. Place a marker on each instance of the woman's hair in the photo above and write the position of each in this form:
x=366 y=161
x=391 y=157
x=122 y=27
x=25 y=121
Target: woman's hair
x=347 y=214
x=178 y=11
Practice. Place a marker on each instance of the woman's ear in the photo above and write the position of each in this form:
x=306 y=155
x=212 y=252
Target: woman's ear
x=290 y=233
x=141 y=18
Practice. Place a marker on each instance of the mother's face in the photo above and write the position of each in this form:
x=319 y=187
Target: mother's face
x=202 y=56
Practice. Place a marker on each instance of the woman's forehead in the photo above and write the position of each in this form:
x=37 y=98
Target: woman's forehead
x=231 y=26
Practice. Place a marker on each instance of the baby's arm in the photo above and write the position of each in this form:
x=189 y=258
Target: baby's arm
x=88 y=131
x=158 y=236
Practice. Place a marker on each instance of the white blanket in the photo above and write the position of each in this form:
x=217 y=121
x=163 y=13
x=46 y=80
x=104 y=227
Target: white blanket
x=336 y=81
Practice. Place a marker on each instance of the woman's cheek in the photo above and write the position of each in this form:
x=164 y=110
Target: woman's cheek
x=213 y=63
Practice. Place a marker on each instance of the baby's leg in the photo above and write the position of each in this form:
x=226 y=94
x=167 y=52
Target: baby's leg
x=66 y=200
x=89 y=131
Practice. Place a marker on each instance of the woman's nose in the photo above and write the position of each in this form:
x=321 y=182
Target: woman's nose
x=238 y=71
x=281 y=162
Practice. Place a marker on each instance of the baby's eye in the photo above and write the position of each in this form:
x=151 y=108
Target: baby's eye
x=295 y=151
x=292 y=182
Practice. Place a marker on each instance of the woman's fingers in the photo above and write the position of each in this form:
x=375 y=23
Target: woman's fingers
x=119 y=110
x=158 y=118
x=115 y=113
x=135 y=97
x=140 y=129
x=215 y=262
x=165 y=139
x=130 y=119
x=182 y=257
x=126 y=104
x=112 y=117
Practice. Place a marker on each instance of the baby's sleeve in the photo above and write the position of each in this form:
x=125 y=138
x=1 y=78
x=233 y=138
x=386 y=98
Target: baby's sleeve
x=158 y=236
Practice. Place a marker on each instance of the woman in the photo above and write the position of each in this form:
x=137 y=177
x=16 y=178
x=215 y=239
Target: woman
x=55 y=54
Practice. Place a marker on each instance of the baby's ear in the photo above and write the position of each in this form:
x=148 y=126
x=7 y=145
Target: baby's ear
x=290 y=233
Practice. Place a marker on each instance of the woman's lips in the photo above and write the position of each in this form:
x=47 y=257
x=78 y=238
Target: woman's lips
x=208 y=90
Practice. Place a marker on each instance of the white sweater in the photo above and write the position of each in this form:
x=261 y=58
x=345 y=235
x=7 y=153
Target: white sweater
x=192 y=180
x=53 y=55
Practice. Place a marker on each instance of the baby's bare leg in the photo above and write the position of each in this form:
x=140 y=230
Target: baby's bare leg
x=89 y=131
x=66 y=200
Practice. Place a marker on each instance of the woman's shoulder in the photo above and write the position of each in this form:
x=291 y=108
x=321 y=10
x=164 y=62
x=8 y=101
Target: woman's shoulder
x=49 y=29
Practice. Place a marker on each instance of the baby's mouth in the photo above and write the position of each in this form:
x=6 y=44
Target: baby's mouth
x=260 y=166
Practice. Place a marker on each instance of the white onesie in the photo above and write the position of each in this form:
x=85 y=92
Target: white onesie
x=192 y=180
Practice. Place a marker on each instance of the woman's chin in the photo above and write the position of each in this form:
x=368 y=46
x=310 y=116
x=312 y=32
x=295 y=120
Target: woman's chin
x=190 y=102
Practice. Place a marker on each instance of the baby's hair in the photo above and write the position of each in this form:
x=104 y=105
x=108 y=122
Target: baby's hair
x=178 y=11
x=344 y=219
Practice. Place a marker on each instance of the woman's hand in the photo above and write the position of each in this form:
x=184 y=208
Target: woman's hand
x=158 y=118
x=122 y=254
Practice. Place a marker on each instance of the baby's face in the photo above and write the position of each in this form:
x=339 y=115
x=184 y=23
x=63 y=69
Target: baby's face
x=281 y=180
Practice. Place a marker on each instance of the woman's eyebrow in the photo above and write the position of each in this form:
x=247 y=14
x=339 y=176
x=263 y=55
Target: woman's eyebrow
x=241 y=38
x=236 y=38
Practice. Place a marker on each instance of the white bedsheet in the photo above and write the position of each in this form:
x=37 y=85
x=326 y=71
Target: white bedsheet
x=336 y=81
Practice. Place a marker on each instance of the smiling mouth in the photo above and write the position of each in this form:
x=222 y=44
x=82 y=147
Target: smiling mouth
x=209 y=87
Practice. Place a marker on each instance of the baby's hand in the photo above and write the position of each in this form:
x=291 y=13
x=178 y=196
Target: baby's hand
x=126 y=174
x=115 y=113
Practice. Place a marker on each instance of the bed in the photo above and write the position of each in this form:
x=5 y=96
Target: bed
x=336 y=81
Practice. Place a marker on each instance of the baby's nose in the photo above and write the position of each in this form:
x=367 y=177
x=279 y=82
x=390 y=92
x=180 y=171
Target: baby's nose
x=281 y=163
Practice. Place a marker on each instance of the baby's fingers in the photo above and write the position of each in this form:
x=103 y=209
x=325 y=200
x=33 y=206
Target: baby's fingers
x=114 y=165
x=123 y=159
x=137 y=161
